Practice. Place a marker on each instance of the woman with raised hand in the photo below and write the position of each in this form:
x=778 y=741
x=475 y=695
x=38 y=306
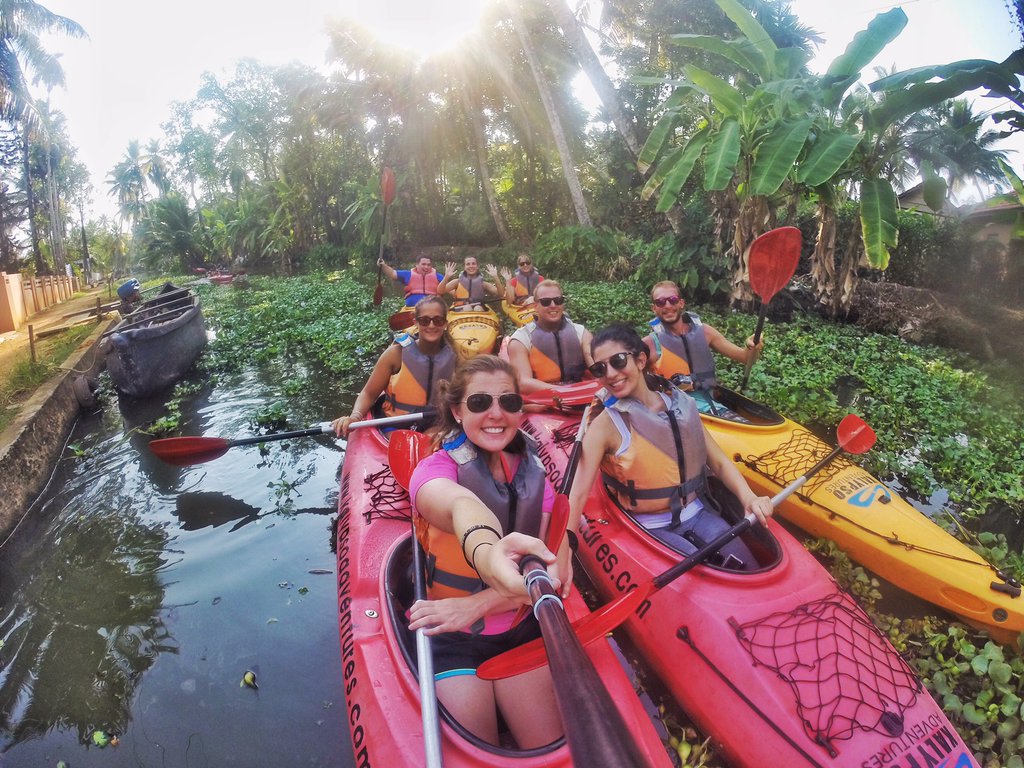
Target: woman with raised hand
x=655 y=455
x=407 y=371
x=485 y=481
x=469 y=288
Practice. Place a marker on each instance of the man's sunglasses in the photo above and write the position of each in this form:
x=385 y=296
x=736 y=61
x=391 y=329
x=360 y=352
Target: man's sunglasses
x=673 y=300
x=525 y=263
x=617 y=361
x=427 y=320
x=510 y=402
x=547 y=301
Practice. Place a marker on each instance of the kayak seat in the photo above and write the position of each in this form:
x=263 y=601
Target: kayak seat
x=759 y=540
x=751 y=412
x=400 y=597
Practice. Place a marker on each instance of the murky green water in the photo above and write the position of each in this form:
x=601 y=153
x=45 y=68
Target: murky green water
x=135 y=596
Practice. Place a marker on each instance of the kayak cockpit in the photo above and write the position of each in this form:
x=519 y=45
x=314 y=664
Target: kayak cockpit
x=400 y=597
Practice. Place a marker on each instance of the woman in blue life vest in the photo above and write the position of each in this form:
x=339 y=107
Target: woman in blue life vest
x=485 y=481
x=407 y=370
x=654 y=455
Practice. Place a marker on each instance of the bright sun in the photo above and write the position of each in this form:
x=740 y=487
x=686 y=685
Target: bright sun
x=422 y=26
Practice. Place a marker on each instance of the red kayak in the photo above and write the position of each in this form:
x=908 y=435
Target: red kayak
x=378 y=650
x=778 y=665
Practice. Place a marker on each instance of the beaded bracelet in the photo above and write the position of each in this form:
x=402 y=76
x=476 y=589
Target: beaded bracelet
x=471 y=529
x=472 y=556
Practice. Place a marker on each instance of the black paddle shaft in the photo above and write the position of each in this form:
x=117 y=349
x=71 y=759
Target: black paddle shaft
x=278 y=436
x=595 y=730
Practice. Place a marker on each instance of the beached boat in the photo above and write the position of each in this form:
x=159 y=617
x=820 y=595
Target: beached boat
x=153 y=347
x=378 y=651
x=778 y=665
x=473 y=332
x=519 y=314
x=872 y=523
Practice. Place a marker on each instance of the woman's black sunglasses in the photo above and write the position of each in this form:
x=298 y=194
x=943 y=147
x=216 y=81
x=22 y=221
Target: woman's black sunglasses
x=617 y=361
x=426 y=320
x=510 y=402
x=547 y=301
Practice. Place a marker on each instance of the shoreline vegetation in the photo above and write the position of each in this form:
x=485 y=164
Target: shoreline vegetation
x=947 y=425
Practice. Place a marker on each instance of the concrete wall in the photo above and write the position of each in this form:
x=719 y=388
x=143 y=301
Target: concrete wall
x=31 y=444
x=12 y=302
x=21 y=297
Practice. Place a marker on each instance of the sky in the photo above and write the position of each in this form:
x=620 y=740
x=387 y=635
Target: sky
x=142 y=55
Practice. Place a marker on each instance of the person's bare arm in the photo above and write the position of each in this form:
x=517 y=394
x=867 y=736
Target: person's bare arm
x=723 y=346
x=726 y=471
x=387 y=366
x=519 y=356
x=586 y=341
x=387 y=269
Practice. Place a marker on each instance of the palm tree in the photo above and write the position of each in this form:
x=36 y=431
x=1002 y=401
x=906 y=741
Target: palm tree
x=956 y=141
x=127 y=182
x=21 y=54
x=543 y=87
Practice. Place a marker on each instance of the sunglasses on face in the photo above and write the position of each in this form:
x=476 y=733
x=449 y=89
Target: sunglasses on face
x=525 y=263
x=617 y=361
x=547 y=301
x=673 y=300
x=427 y=320
x=510 y=402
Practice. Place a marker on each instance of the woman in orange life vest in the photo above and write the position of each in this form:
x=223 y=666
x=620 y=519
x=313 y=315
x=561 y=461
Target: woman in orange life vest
x=552 y=349
x=469 y=288
x=654 y=455
x=519 y=287
x=485 y=479
x=408 y=369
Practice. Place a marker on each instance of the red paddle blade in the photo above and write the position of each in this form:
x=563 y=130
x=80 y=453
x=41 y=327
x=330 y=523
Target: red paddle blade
x=854 y=434
x=378 y=294
x=593 y=626
x=558 y=523
x=405 y=449
x=387 y=185
x=400 y=321
x=773 y=259
x=182 y=451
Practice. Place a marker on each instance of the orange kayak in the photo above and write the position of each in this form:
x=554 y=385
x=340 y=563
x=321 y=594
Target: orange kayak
x=473 y=332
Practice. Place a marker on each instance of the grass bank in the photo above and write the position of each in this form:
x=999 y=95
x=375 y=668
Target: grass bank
x=24 y=376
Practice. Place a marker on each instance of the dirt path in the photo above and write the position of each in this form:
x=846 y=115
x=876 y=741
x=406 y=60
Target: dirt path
x=14 y=345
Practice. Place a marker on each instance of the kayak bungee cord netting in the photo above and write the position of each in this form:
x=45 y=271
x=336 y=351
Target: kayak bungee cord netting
x=844 y=674
x=802 y=451
x=388 y=500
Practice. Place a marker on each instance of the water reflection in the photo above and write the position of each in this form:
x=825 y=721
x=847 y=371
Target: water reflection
x=136 y=594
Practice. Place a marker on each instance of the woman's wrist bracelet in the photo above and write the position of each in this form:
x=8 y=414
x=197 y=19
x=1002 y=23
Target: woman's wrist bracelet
x=473 y=529
x=472 y=557
x=356 y=415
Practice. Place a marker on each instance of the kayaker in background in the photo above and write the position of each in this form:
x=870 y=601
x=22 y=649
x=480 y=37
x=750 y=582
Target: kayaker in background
x=408 y=369
x=130 y=293
x=420 y=281
x=520 y=287
x=485 y=479
x=680 y=344
x=552 y=349
x=469 y=288
x=654 y=455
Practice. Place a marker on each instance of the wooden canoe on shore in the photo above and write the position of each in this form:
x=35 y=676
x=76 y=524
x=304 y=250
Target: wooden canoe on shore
x=153 y=347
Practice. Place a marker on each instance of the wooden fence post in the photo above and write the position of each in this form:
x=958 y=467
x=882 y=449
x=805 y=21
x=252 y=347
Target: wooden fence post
x=32 y=343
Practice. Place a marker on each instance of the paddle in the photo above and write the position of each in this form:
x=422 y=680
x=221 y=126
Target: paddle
x=387 y=194
x=558 y=522
x=773 y=259
x=595 y=730
x=405 y=449
x=564 y=395
x=182 y=451
x=853 y=435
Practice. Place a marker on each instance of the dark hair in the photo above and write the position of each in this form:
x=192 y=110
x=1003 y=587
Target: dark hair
x=624 y=335
x=449 y=394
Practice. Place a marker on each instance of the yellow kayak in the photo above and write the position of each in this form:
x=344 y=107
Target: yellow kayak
x=867 y=520
x=519 y=314
x=473 y=332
